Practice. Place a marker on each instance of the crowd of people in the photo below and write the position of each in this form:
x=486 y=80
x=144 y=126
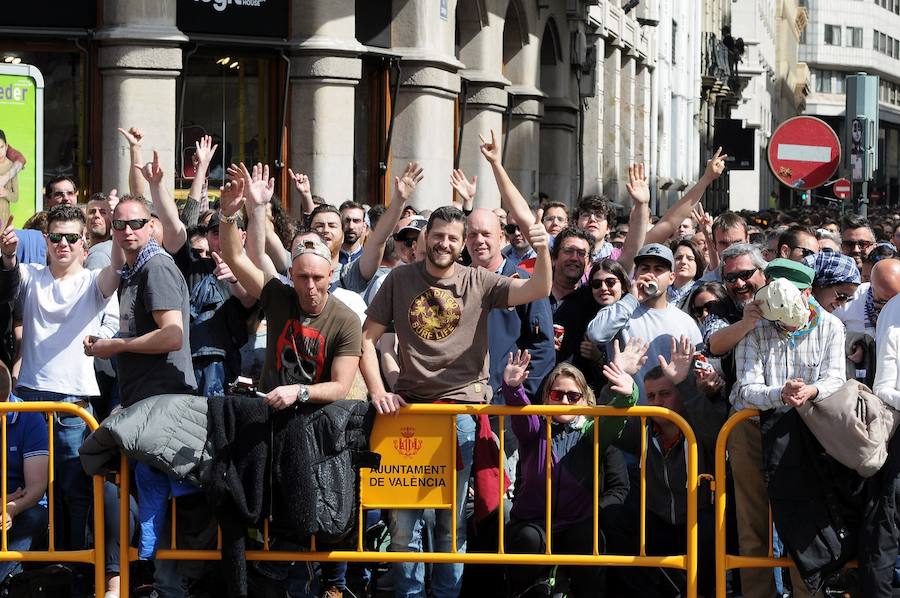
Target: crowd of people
x=128 y=297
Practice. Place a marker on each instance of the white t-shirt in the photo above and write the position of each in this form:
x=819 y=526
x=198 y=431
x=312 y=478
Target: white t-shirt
x=56 y=316
x=657 y=327
x=853 y=313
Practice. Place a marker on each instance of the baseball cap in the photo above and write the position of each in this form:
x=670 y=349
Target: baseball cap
x=799 y=274
x=835 y=268
x=312 y=247
x=216 y=218
x=415 y=224
x=657 y=251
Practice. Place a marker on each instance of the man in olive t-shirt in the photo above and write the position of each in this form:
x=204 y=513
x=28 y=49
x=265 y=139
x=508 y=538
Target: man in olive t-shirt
x=439 y=311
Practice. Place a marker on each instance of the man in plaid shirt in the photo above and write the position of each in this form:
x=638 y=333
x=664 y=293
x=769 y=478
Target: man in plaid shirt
x=777 y=365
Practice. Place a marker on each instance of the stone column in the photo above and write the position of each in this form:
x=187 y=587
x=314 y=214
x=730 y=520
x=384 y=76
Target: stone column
x=325 y=70
x=429 y=87
x=594 y=121
x=558 y=154
x=612 y=119
x=139 y=62
x=486 y=103
x=524 y=140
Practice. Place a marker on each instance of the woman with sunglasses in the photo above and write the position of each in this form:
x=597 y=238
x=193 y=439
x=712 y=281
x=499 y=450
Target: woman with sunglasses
x=704 y=299
x=572 y=468
x=607 y=283
x=689 y=267
x=836 y=281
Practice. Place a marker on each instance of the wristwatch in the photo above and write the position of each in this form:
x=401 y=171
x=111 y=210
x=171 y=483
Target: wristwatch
x=303 y=394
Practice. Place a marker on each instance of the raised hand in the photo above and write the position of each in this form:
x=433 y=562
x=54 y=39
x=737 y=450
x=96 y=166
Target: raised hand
x=9 y=241
x=537 y=237
x=257 y=185
x=405 y=184
x=134 y=136
x=223 y=270
x=620 y=382
x=112 y=200
x=715 y=166
x=205 y=150
x=491 y=150
x=682 y=360
x=463 y=187
x=637 y=185
x=301 y=182
x=516 y=371
x=232 y=197
x=152 y=172
x=632 y=358
x=704 y=220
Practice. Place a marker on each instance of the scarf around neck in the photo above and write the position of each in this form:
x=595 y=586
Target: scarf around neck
x=150 y=250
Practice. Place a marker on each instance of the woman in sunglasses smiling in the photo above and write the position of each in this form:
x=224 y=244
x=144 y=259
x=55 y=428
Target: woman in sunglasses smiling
x=572 y=467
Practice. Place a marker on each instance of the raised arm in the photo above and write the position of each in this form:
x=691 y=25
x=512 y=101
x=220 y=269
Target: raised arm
x=108 y=280
x=538 y=286
x=674 y=216
x=251 y=278
x=174 y=233
x=135 y=137
x=510 y=198
x=203 y=155
x=464 y=190
x=374 y=248
x=639 y=191
x=301 y=182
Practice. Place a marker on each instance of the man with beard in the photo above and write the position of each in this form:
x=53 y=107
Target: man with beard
x=743 y=270
x=857 y=238
x=99 y=228
x=353 y=217
x=439 y=309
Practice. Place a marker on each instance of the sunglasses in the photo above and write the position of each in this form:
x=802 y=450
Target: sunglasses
x=861 y=244
x=841 y=297
x=572 y=396
x=71 y=238
x=609 y=283
x=705 y=307
x=511 y=229
x=805 y=251
x=744 y=275
x=136 y=224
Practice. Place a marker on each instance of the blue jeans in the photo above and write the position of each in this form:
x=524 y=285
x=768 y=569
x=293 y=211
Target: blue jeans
x=210 y=375
x=407 y=526
x=300 y=576
x=72 y=496
x=29 y=528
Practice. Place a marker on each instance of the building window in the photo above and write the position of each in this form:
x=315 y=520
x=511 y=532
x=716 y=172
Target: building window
x=839 y=80
x=674 y=42
x=855 y=37
x=832 y=35
x=823 y=81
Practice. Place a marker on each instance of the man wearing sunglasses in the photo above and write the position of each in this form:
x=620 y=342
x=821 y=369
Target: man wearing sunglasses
x=857 y=238
x=798 y=243
x=518 y=250
x=742 y=270
x=62 y=303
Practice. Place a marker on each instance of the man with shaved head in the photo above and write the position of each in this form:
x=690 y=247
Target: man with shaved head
x=528 y=326
x=860 y=314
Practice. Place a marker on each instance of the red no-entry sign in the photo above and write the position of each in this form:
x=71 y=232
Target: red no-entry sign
x=804 y=152
x=842 y=188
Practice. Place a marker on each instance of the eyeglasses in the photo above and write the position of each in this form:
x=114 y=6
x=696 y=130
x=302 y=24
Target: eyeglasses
x=134 y=224
x=745 y=275
x=554 y=219
x=863 y=245
x=511 y=229
x=63 y=194
x=71 y=238
x=595 y=214
x=572 y=251
x=572 y=396
x=609 y=283
x=705 y=307
x=804 y=250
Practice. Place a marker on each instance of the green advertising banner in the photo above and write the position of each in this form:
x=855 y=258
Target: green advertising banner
x=21 y=142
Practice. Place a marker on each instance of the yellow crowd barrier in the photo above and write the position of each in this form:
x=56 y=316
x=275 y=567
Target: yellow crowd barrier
x=91 y=556
x=686 y=562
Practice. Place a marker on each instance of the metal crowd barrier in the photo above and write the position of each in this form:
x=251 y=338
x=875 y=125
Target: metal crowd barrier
x=686 y=562
x=91 y=556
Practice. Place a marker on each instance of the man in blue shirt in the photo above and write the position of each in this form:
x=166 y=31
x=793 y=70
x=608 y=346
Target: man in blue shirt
x=27 y=460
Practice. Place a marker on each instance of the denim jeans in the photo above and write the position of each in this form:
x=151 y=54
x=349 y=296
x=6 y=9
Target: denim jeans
x=407 y=527
x=72 y=496
x=210 y=375
x=29 y=529
x=300 y=576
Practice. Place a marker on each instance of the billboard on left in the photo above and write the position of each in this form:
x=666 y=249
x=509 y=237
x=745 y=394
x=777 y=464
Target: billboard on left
x=21 y=141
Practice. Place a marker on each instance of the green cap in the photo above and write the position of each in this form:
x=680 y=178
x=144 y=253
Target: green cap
x=800 y=275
